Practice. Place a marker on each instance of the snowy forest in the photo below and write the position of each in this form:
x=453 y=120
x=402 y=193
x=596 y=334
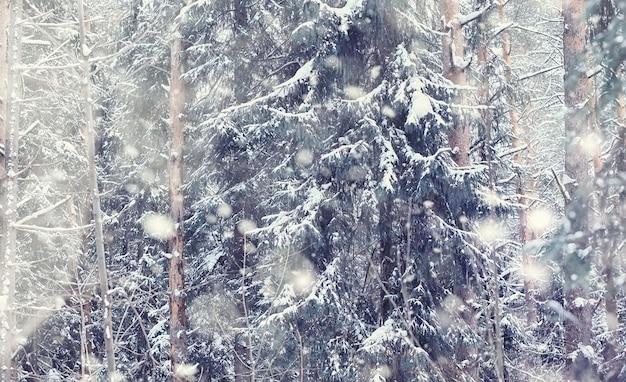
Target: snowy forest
x=312 y=190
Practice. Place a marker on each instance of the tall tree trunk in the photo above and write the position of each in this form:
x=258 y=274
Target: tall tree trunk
x=459 y=140
x=76 y=258
x=608 y=241
x=11 y=14
x=482 y=54
x=241 y=69
x=578 y=171
x=5 y=22
x=454 y=70
x=178 y=350
x=95 y=195
x=387 y=260
x=525 y=234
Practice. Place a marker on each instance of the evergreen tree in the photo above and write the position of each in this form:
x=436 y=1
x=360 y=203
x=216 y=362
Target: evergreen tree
x=338 y=180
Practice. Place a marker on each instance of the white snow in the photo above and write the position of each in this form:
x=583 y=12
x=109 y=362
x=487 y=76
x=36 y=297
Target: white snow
x=388 y=161
x=186 y=371
x=420 y=103
x=539 y=220
x=304 y=157
x=245 y=226
x=158 y=226
x=285 y=88
x=490 y=231
x=580 y=302
x=224 y=210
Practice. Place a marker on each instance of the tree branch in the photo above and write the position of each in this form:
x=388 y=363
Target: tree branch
x=42 y=212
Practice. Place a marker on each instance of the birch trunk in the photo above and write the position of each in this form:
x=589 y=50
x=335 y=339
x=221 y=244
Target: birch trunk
x=5 y=21
x=11 y=93
x=95 y=195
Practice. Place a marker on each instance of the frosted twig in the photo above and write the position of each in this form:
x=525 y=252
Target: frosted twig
x=566 y=195
x=43 y=211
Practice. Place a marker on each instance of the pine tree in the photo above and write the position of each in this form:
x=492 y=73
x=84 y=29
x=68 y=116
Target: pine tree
x=343 y=167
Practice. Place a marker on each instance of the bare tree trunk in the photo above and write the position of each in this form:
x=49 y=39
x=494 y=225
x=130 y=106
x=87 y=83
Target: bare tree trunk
x=482 y=54
x=579 y=169
x=11 y=14
x=178 y=344
x=525 y=233
x=454 y=70
x=5 y=22
x=241 y=69
x=608 y=240
x=76 y=258
x=459 y=140
x=95 y=196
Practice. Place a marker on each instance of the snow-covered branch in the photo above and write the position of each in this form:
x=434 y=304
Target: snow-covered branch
x=538 y=72
x=512 y=151
x=34 y=228
x=43 y=211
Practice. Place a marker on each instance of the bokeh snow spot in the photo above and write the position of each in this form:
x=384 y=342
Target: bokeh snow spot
x=304 y=157
x=332 y=62
x=382 y=373
x=536 y=273
x=539 y=220
x=449 y=308
x=224 y=210
x=388 y=111
x=186 y=371
x=354 y=92
x=58 y=175
x=132 y=188
x=246 y=226
x=212 y=313
x=293 y=276
x=131 y=151
x=375 y=72
x=611 y=321
x=590 y=144
x=116 y=376
x=490 y=231
x=492 y=198
x=158 y=226
x=249 y=248
x=303 y=277
x=148 y=175
x=356 y=174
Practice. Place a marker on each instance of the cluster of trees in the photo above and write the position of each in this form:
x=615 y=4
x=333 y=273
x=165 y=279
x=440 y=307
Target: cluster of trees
x=323 y=190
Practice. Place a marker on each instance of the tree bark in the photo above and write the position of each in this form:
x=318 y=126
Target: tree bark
x=178 y=347
x=459 y=140
x=11 y=56
x=454 y=70
x=579 y=169
x=95 y=195
x=241 y=70
x=482 y=54
x=5 y=22
x=608 y=240
x=525 y=233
